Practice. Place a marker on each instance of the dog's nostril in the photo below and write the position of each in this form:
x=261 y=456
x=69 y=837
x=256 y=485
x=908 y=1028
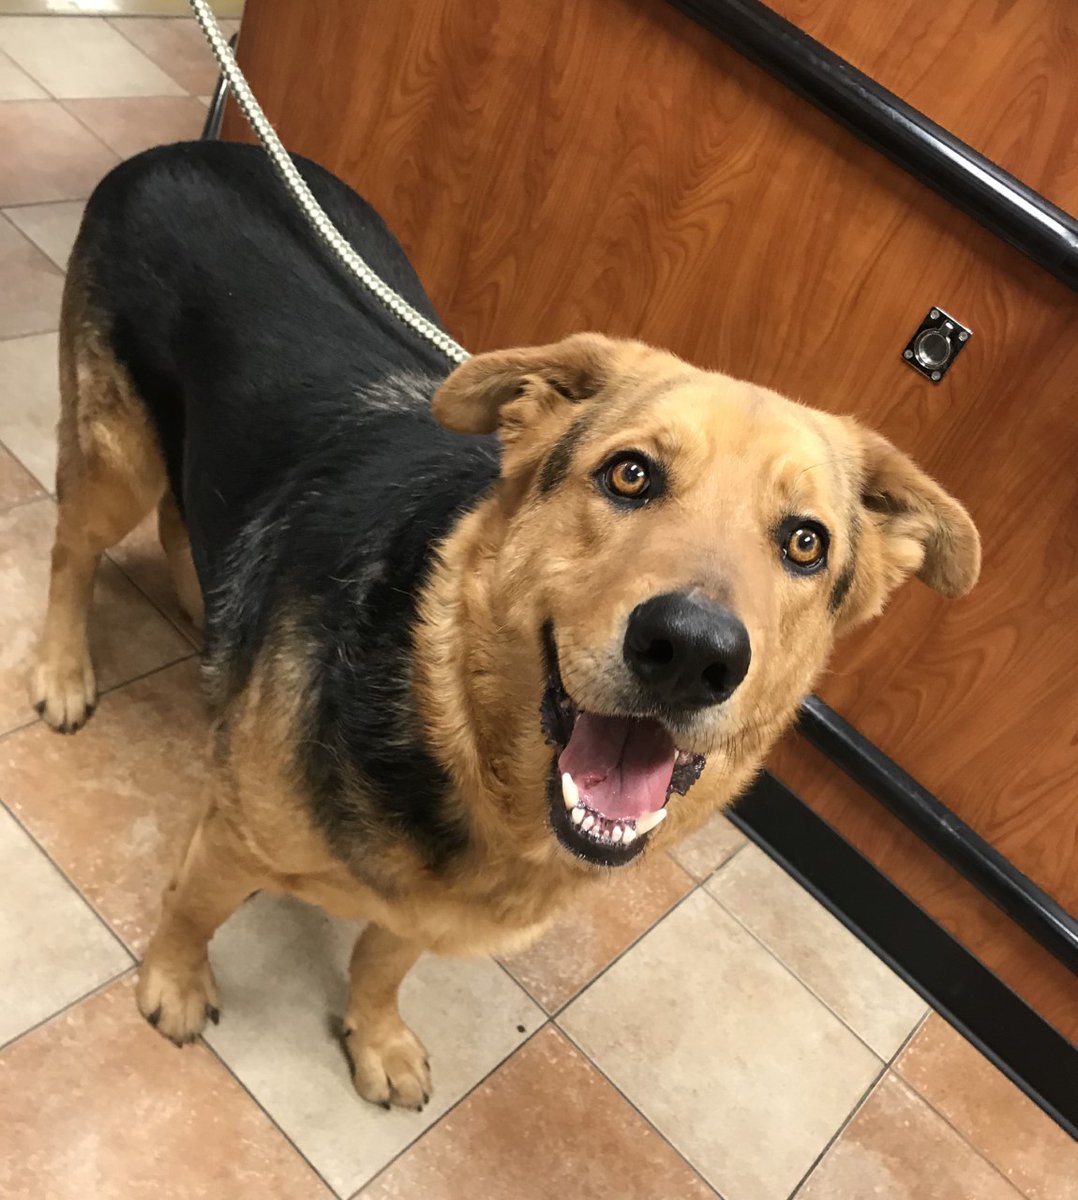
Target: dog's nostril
x=715 y=677
x=660 y=652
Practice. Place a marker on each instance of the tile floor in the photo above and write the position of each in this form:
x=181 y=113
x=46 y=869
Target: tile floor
x=702 y=1028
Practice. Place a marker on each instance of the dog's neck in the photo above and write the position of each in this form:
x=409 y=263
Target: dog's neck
x=479 y=684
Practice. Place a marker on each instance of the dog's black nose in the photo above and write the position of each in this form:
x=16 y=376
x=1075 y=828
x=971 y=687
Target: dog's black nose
x=689 y=651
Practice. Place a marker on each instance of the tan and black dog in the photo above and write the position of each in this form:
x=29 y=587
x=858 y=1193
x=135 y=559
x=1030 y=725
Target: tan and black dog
x=471 y=641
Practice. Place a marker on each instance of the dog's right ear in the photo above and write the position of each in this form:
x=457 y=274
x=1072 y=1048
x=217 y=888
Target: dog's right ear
x=510 y=390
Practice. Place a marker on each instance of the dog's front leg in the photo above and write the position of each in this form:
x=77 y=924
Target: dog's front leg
x=176 y=990
x=389 y=1063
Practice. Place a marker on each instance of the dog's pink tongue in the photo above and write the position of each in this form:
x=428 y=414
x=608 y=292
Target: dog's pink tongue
x=621 y=765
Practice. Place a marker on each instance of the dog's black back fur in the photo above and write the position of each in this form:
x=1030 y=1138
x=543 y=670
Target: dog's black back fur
x=293 y=416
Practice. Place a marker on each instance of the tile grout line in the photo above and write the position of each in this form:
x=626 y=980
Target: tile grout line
x=67 y=879
x=844 y=1124
x=557 y=1013
x=681 y=1154
x=808 y=987
x=66 y=1008
x=998 y=1170
x=452 y=1108
x=888 y=1065
x=201 y=1041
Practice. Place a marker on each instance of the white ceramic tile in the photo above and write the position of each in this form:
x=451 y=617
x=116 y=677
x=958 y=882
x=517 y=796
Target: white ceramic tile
x=282 y=971
x=53 y=949
x=710 y=846
x=81 y=56
x=722 y=1049
x=30 y=403
x=15 y=84
x=51 y=227
x=820 y=951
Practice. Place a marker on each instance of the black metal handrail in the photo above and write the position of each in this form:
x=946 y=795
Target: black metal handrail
x=973 y=183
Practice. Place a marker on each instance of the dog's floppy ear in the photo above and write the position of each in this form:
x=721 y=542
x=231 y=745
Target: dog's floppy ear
x=511 y=388
x=909 y=526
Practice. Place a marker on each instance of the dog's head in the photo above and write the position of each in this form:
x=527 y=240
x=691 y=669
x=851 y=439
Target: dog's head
x=686 y=546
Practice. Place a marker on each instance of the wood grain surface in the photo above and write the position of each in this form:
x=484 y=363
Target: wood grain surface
x=1002 y=76
x=610 y=165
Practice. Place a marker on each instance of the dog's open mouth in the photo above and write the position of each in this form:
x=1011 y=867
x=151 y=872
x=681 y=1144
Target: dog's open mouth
x=611 y=777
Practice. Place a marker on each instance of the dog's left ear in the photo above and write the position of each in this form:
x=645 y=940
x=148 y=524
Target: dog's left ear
x=511 y=389
x=910 y=525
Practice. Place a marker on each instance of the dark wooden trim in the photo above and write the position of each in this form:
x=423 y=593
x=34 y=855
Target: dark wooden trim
x=973 y=183
x=979 y=861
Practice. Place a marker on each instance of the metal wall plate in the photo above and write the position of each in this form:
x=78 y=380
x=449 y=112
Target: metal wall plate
x=935 y=345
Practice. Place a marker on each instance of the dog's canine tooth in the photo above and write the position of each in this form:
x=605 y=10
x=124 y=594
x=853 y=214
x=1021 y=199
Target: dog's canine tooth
x=569 y=791
x=648 y=821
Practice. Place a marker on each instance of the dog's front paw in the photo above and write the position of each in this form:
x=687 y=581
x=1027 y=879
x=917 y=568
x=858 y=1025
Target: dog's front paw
x=177 y=1003
x=63 y=689
x=389 y=1064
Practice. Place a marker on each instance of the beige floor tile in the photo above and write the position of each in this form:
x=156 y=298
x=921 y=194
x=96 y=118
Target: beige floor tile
x=30 y=403
x=897 y=1148
x=545 y=1124
x=114 y=805
x=130 y=126
x=32 y=285
x=600 y=926
x=820 y=951
x=176 y=46
x=81 y=56
x=96 y=1105
x=45 y=154
x=142 y=560
x=51 y=227
x=709 y=847
x=53 y=949
x=281 y=967
x=128 y=637
x=1027 y=1146
x=17 y=485
x=742 y=1068
x=15 y=84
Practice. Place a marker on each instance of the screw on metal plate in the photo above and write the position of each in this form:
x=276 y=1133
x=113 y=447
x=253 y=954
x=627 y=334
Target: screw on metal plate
x=936 y=343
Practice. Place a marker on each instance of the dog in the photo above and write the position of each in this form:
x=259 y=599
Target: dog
x=473 y=639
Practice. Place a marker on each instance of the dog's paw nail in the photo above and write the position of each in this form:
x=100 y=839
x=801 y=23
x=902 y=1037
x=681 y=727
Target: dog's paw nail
x=214 y=1014
x=155 y=1016
x=385 y=1104
x=39 y=708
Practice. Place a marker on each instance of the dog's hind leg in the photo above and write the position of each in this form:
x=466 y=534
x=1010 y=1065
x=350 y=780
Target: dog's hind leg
x=109 y=476
x=389 y=1063
x=176 y=990
x=177 y=547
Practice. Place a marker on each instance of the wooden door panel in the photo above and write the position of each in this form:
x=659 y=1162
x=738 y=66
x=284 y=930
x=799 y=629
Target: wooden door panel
x=611 y=165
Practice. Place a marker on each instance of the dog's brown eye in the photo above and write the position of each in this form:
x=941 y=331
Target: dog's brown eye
x=805 y=546
x=628 y=477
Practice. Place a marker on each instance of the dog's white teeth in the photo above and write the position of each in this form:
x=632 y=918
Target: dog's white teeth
x=648 y=821
x=628 y=835
x=616 y=835
x=577 y=815
x=570 y=793
x=588 y=822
